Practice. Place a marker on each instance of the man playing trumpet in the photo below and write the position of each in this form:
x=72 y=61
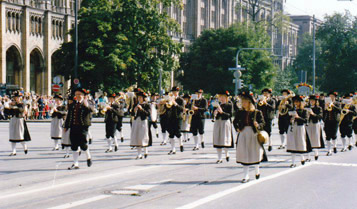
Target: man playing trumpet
x=331 y=116
x=267 y=106
x=346 y=120
x=199 y=106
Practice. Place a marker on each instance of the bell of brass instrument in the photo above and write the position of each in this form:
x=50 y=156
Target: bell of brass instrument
x=330 y=107
x=282 y=106
x=262 y=102
x=344 y=112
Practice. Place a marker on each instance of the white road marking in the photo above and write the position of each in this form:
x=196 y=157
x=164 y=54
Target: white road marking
x=147 y=187
x=81 y=202
x=337 y=164
x=83 y=180
x=240 y=187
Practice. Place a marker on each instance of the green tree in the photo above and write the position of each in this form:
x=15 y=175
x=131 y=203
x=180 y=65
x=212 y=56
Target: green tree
x=122 y=42
x=338 y=36
x=206 y=64
x=304 y=59
x=285 y=79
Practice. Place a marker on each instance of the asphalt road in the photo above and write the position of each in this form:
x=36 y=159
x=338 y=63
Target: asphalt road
x=185 y=180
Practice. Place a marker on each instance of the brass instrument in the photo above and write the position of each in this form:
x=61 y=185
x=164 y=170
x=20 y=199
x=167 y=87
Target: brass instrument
x=262 y=101
x=191 y=112
x=282 y=106
x=344 y=112
x=167 y=102
x=330 y=107
x=104 y=110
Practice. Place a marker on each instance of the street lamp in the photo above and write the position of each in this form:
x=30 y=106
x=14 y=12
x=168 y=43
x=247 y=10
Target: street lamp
x=160 y=81
x=75 y=73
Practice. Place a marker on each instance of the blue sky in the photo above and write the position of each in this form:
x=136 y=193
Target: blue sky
x=319 y=7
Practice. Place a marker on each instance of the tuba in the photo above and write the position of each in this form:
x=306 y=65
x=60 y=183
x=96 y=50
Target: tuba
x=283 y=110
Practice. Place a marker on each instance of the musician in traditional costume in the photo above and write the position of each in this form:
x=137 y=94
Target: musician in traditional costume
x=354 y=125
x=66 y=141
x=164 y=120
x=297 y=139
x=58 y=114
x=199 y=106
x=92 y=105
x=111 y=119
x=332 y=112
x=154 y=113
x=140 y=133
x=77 y=122
x=222 y=129
x=314 y=128
x=247 y=122
x=120 y=101
x=174 y=119
x=186 y=117
x=285 y=104
x=348 y=112
x=267 y=106
x=18 y=129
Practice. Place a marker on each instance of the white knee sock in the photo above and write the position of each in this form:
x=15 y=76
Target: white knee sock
x=226 y=151
x=120 y=134
x=172 y=141
x=270 y=141
x=24 y=145
x=164 y=137
x=246 y=172
x=329 y=145
x=302 y=157
x=88 y=154
x=196 y=141
x=75 y=158
x=282 y=139
x=257 y=171
x=109 y=140
x=219 y=152
x=67 y=150
x=334 y=142
x=180 y=141
x=146 y=150
x=350 y=141
x=139 y=151
x=308 y=155
x=201 y=138
x=316 y=152
x=344 y=143
x=293 y=156
x=185 y=136
x=89 y=135
x=115 y=141
x=13 y=147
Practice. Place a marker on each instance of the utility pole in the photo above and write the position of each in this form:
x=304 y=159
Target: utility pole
x=75 y=73
x=314 y=56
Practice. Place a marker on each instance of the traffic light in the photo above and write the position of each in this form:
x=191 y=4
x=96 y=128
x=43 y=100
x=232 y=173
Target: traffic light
x=240 y=84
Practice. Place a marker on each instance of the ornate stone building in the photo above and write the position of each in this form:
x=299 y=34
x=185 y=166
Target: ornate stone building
x=32 y=30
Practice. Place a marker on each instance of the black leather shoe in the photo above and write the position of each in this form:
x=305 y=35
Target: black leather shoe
x=26 y=151
x=270 y=148
x=108 y=150
x=181 y=148
x=116 y=148
x=335 y=150
x=350 y=147
x=343 y=150
x=328 y=154
x=292 y=165
x=62 y=147
x=157 y=135
x=202 y=145
x=219 y=161
x=308 y=160
x=122 y=139
x=245 y=181
x=90 y=141
x=316 y=157
x=303 y=162
x=171 y=153
x=257 y=176
x=145 y=156
x=73 y=167
x=227 y=159
x=188 y=139
x=89 y=162
x=12 y=154
x=80 y=152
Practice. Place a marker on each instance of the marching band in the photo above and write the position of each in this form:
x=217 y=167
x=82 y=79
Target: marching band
x=306 y=123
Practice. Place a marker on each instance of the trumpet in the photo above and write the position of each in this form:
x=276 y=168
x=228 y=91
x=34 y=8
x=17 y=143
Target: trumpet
x=104 y=110
x=344 y=112
x=262 y=101
x=330 y=107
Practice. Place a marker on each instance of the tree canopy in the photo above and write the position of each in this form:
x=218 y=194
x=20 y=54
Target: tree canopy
x=206 y=63
x=121 y=43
